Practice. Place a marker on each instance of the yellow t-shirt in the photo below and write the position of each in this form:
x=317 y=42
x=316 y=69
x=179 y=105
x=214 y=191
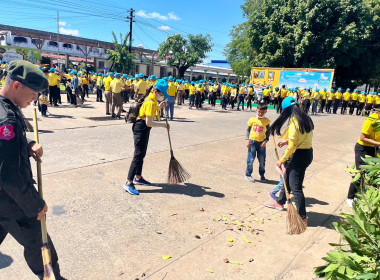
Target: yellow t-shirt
x=330 y=95
x=296 y=140
x=316 y=95
x=346 y=96
x=233 y=92
x=323 y=94
x=242 y=90
x=250 y=91
x=369 y=99
x=107 y=83
x=354 y=96
x=149 y=108
x=116 y=85
x=43 y=99
x=181 y=87
x=200 y=89
x=84 y=81
x=361 y=98
x=338 y=95
x=306 y=95
x=377 y=99
x=53 y=79
x=172 y=89
x=258 y=128
x=283 y=93
x=99 y=81
x=276 y=93
x=367 y=129
x=290 y=93
x=141 y=87
x=266 y=92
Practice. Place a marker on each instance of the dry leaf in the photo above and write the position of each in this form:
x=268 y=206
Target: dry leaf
x=174 y=214
x=251 y=260
x=229 y=228
x=120 y=273
x=197 y=237
x=201 y=209
x=166 y=257
x=226 y=260
x=230 y=244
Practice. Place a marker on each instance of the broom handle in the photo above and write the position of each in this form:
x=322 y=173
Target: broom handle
x=39 y=179
x=170 y=141
x=282 y=173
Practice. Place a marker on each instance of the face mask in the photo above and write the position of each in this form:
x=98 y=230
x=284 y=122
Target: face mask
x=160 y=98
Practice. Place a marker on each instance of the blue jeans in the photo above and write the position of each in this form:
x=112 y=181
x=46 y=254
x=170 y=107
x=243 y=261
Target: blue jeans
x=315 y=105
x=279 y=186
x=170 y=106
x=253 y=150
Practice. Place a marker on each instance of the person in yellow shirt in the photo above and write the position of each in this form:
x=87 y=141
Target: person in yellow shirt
x=233 y=96
x=108 y=92
x=192 y=91
x=361 y=103
x=306 y=101
x=99 y=88
x=54 y=90
x=149 y=110
x=281 y=96
x=323 y=99
x=368 y=141
x=370 y=100
x=298 y=154
x=353 y=102
x=315 y=96
x=116 y=87
x=44 y=102
x=172 y=93
x=346 y=98
x=266 y=95
x=377 y=101
x=276 y=94
x=337 y=100
x=250 y=97
x=85 y=82
x=330 y=99
x=198 y=95
x=224 y=91
x=181 y=93
x=257 y=136
x=240 y=98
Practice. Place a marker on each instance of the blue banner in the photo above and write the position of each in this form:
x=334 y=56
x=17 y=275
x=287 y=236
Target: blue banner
x=304 y=79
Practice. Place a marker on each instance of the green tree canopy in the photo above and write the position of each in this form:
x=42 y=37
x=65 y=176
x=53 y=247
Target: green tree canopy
x=120 y=58
x=183 y=53
x=339 y=34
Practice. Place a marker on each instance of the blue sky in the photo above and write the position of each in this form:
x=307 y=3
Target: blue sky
x=155 y=20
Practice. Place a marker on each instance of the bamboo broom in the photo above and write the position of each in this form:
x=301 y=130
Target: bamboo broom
x=46 y=257
x=294 y=222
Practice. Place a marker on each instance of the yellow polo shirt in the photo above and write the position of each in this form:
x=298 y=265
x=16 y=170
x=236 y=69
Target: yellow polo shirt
x=53 y=79
x=367 y=129
x=338 y=95
x=141 y=86
x=258 y=128
x=354 y=96
x=149 y=108
x=172 y=89
x=107 y=83
x=116 y=86
x=361 y=98
x=346 y=96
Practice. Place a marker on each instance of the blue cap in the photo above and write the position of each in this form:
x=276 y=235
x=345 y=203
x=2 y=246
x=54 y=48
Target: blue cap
x=288 y=101
x=79 y=74
x=111 y=73
x=141 y=75
x=348 y=89
x=162 y=86
x=276 y=87
x=39 y=67
x=339 y=88
x=251 y=85
x=52 y=69
x=153 y=77
x=362 y=92
x=117 y=75
x=356 y=89
x=125 y=76
x=193 y=83
x=243 y=84
x=325 y=89
x=317 y=90
x=372 y=93
x=200 y=84
x=100 y=74
x=170 y=78
x=137 y=75
x=73 y=72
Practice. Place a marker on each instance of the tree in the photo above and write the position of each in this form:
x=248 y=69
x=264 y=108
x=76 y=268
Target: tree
x=339 y=34
x=183 y=53
x=121 y=59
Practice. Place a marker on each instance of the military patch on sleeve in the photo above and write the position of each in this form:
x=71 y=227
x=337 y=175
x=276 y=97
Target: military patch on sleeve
x=6 y=132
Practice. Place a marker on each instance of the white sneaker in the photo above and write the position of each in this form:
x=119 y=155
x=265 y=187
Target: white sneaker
x=250 y=179
x=47 y=113
x=349 y=202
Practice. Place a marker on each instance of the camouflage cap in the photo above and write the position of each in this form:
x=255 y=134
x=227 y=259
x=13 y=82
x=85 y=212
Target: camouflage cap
x=27 y=74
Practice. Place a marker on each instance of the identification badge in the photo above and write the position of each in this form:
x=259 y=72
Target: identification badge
x=6 y=132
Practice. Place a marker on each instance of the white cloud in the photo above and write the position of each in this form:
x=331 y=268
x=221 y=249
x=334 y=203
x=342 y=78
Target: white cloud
x=163 y=27
x=302 y=80
x=156 y=15
x=173 y=16
x=62 y=23
x=72 y=32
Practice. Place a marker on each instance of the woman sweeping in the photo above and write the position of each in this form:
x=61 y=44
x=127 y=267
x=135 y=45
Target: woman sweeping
x=298 y=155
x=141 y=130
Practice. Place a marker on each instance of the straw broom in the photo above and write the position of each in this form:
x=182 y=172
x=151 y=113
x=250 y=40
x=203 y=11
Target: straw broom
x=176 y=174
x=294 y=222
x=46 y=258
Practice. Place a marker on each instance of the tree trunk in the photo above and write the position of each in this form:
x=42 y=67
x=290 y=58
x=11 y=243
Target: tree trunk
x=181 y=71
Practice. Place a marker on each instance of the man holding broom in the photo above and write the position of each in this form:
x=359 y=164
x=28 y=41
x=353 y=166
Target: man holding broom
x=21 y=208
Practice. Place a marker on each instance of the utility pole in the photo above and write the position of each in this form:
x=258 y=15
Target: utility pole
x=130 y=19
x=58 y=39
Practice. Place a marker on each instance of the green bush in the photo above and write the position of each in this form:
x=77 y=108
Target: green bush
x=358 y=254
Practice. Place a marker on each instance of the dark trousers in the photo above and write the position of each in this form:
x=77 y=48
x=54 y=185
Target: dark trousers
x=99 y=94
x=85 y=90
x=323 y=103
x=224 y=101
x=267 y=99
x=344 y=107
x=336 y=105
x=213 y=99
x=294 y=177
x=54 y=91
x=43 y=109
x=249 y=102
x=240 y=102
x=328 y=106
x=27 y=232
x=141 y=138
x=279 y=104
x=198 y=100
x=360 y=152
x=192 y=99
x=352 y=106
x=232 y=102
x=359 y=109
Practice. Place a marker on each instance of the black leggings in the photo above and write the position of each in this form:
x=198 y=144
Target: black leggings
x=249 y=102
x=294 y=176
x=360 y=152
x=141 y=138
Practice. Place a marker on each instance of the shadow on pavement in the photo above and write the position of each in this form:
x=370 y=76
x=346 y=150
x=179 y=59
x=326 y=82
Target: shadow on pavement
x=5 y=261
x=59 y=117
x=103 y=118
x=186 y=189
x=268 y=182
x=224 y=111
x=310 y=201
x=321 y=219
x=45 y=131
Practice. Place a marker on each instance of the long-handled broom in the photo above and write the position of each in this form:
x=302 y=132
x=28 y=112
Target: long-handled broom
x=46 y=257
x=176 y=174
x=294 y=222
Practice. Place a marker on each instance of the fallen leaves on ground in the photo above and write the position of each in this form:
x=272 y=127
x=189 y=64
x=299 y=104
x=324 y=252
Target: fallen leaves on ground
x=166 y=257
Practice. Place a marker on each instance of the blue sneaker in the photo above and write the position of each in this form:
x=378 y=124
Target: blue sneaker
x=142 y=181
x=131 y=189
x=273 y=196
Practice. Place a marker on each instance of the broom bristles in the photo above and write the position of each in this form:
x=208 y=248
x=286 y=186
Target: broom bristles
x=294 y=222
x=176 y=174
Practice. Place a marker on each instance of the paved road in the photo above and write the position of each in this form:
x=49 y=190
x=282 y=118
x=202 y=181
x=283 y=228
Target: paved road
x=101 y=232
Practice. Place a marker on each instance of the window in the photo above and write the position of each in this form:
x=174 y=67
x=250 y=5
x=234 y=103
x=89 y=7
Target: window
x=67 y=46
x=95 y=50
x=20 y=40
x=148 y=70
x=78 y=48
x=162 y=71
x=2 y=37
x=37 y=41
x=101 y=65
x=137 y=70
x=53 y=44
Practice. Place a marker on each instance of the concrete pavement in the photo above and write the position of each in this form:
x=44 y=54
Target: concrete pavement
x=101 y=232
